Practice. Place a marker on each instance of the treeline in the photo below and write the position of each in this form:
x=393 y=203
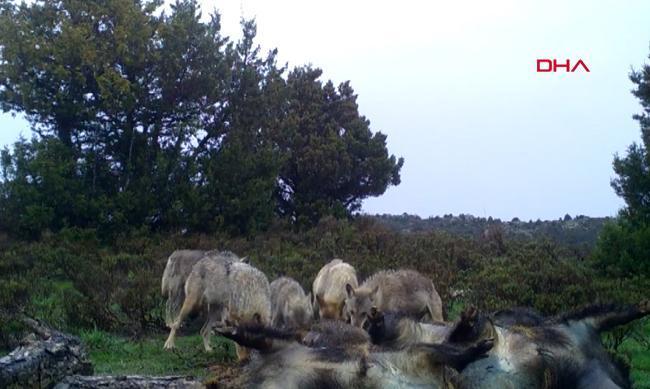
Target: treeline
x=143 y=119
x=574 y=231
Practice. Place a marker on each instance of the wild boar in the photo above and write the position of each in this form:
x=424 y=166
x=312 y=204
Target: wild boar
x=290 y=307
x=231 y=292
x=396 y=330
x=558 y=352
x=406 y=291
x=178 y=268
x=285 y=363
x=337 y=334
x=329 y=288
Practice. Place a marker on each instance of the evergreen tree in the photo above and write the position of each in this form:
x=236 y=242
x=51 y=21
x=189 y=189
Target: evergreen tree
x=624 y=246
x=333 y=160
x=152 y=119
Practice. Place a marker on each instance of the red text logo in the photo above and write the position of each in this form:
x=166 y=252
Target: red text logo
x=545 y=65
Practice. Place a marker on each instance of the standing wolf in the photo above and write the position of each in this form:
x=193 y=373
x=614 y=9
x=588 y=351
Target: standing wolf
x=329 y=288
x=231 y=291
x=405 y=291
x=291 y=308
x=178 y=268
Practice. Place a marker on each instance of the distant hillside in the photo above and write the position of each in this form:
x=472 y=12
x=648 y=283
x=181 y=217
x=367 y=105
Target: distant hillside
x=579 y=230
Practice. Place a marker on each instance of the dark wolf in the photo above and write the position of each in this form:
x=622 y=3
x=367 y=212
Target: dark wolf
x=290 y=307
x=393 y=290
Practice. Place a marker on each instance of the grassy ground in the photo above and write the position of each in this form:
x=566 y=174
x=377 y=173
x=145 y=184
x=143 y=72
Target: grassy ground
x=112 y=354
x=638 y=353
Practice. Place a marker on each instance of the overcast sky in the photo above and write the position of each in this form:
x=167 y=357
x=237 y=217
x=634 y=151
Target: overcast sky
x=455 y=87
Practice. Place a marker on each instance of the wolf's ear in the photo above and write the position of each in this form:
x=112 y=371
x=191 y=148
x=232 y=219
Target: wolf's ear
x=350 y=290
x=257 y=318
x=373 y=293
x=245 y=259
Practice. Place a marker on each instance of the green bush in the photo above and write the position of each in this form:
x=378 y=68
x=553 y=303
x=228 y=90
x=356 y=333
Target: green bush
x=623 y=249
x=74 y=280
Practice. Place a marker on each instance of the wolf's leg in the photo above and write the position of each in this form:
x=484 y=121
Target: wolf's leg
x=207 y=328
x=435 y=307
x=607 y=317
x=188 y=305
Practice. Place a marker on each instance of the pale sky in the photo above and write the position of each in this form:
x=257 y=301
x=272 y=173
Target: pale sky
x=454 y=86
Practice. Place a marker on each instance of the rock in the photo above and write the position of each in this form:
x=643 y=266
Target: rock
x=128 y=382
x=44 y=358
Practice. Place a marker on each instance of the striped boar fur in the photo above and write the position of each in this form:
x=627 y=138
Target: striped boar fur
x=406 y=291
x=290 y=307
x=329 y=288
x=287 y=364
x=558 y=352
x=396 y=330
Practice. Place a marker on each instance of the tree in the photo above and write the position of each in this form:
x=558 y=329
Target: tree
x=239 y=173
x=624 y=246
x=134 y=97
x=333 y=160
x=157 y=120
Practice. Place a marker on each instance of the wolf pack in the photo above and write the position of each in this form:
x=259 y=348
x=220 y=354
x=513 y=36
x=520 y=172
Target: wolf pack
x=389 y=331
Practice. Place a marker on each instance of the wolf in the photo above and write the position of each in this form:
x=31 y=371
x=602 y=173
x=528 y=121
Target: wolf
x=393 y=290
x=291 y=308
x=178 y=268
x=328 y=288
x=231 y=292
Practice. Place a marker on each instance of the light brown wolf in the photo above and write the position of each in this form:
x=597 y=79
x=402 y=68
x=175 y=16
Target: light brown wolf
x=231 y=292
x=178 y=268
x=329 y=288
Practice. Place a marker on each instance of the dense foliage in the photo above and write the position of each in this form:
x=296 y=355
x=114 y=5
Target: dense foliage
x=624 y=246
x=73 y=280
x=158 y=120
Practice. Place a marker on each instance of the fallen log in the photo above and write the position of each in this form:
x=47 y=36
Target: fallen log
x=44 y=358
x=128 y=382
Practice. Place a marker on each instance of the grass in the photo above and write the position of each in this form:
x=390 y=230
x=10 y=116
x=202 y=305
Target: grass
x=115 y=355
x=637 y=351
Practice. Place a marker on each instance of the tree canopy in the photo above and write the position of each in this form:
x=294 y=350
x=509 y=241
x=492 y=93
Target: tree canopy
x=624 y=246
x=143 y=118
